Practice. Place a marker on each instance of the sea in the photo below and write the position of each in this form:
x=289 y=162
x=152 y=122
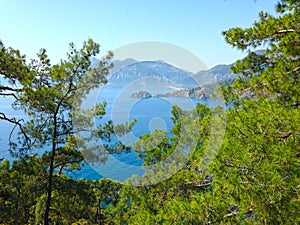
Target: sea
x=151 y=113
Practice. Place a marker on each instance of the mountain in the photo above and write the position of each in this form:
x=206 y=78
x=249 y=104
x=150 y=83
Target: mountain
x=130 y=69
x=163 y=79
x=217 y=74
x=119 y=64
x=152 y=69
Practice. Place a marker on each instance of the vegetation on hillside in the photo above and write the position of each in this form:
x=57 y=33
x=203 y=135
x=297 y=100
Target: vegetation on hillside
x=254 y=178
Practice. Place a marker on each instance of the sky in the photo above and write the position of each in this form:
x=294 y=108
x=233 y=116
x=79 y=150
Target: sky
x=194 y=25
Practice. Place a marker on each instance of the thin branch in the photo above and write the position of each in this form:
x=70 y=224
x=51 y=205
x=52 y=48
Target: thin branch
x=294 y=70
x=234 y=213
x=5 y=88
x=285 y=31
x=9 y=94
x=72 y=161
x=17 y=124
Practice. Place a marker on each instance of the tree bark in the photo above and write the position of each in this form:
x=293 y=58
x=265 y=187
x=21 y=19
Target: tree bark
x=51 y=170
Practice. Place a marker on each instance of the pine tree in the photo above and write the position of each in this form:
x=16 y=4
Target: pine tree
x=51 y=94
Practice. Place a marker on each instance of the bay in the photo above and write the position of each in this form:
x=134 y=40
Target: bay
x=150 y=113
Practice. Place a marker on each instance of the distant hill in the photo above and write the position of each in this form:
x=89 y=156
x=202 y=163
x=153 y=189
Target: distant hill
x=217 y=74
x=171 y=80
x=119 y=64
x=130 y=69
x=151 y=69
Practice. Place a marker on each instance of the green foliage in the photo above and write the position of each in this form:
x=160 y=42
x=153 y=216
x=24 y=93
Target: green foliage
x=257 y=169
x=153 y=148
x=274 y=73
x=13 y=70
x=256 y=173
x=22 y=194
x=50 y=95
x=21 y=183
x=254 y=178
x=12 y=65
x=163 y=202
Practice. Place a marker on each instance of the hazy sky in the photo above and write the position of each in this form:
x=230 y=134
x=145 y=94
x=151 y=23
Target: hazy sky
x=194 y=25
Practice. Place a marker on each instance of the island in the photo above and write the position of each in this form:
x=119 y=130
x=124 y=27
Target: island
x=141 y=94
x=198 y=92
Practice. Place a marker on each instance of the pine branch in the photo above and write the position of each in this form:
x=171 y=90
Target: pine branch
x=5 y=88
x=234 y=213
x=17 y=123
x=285 y=31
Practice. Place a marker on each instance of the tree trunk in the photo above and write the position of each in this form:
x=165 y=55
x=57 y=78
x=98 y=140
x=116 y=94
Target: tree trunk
x=51 y=170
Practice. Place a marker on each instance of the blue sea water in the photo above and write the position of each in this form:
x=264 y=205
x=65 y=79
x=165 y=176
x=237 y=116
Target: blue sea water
x=5 y=127
x=150 y=113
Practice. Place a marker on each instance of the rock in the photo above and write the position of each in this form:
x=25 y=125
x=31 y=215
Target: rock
x=199 y=92
x=141 y=94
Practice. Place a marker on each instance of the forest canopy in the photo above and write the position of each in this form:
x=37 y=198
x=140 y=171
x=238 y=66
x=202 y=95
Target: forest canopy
x=254 y=178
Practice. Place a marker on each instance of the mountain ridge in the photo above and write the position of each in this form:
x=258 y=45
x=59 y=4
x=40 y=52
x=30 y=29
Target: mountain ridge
x=168 y=79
